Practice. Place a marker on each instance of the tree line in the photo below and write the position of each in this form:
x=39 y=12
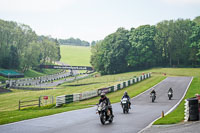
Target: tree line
x=21 y=48
x=169 y=43
x=73 y=41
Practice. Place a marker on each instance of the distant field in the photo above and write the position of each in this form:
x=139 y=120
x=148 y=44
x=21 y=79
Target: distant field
x=75 y=55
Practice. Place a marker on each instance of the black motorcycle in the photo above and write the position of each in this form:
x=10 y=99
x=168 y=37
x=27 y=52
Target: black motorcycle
x=125 y=105
x=104 y=113
x=170 y=95
x=153 y=97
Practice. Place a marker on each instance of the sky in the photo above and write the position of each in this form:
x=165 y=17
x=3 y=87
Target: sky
x=93 y=19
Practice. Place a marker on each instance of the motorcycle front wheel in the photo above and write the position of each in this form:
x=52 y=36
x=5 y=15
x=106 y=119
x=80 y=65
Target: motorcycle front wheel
x=102 y=119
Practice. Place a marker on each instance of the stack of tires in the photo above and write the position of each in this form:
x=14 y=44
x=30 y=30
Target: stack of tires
x=193 y=109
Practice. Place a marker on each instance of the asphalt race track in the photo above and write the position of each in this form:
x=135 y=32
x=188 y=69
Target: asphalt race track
x=143 y=112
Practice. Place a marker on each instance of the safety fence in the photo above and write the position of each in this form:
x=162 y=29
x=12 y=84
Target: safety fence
x=64 y=99
x=41 y=101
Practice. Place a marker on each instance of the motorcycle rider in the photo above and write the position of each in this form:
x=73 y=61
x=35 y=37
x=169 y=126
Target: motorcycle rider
x=127 y=96
x=107 y=101
x=170 y=90
x=153 y=91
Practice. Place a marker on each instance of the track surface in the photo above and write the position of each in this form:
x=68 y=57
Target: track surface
x=143 y=112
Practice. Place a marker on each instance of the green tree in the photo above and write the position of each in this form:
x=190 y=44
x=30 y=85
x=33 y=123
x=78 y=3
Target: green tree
x=109 y=55
x=197 y=20
x=143 y=51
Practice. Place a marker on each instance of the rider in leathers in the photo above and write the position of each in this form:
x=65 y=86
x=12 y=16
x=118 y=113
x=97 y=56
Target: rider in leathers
x=107 y=101
x=170 y=90
x=153 y=91
x=127 y=96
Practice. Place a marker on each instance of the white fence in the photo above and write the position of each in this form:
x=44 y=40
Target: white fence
x=90 y=94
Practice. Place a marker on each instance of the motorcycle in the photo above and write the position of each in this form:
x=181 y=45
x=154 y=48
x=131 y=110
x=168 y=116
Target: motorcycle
x=170 y=95
x=104 y=113
x=125 y=105
x=153 y=97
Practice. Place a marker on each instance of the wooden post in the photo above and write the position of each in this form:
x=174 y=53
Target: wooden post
x=162 y=114
x=39 y=102
x=19 y=104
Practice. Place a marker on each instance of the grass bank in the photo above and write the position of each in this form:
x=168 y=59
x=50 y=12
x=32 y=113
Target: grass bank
x=75 y=55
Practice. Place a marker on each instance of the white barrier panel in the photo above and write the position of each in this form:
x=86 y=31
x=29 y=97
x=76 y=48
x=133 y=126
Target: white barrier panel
x=115 y=88
x=142 y=77
x=145 y=76
x=135 y=80
x=76 y=97
x=139 y=79
x=88 y=94
x=121 y=85
x=60 y=100
x=131 y=81
x=127 y=83
x=148 y=75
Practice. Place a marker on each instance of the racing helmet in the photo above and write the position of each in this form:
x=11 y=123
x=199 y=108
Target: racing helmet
x=103 y=95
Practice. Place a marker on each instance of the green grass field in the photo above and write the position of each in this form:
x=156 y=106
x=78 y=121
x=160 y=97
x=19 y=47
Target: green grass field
x=75 y=55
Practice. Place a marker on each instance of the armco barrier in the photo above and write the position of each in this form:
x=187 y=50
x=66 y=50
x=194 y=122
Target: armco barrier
x=90 y=94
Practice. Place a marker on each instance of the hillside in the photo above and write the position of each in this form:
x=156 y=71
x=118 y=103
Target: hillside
x=75 y=55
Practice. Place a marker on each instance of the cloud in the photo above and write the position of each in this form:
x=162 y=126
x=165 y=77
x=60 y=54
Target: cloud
x=182 y=2
x=33 y=5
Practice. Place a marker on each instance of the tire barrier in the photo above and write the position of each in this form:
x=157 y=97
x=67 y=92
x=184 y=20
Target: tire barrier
x=186 y=112
x=191 y=109
x=65 y=99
